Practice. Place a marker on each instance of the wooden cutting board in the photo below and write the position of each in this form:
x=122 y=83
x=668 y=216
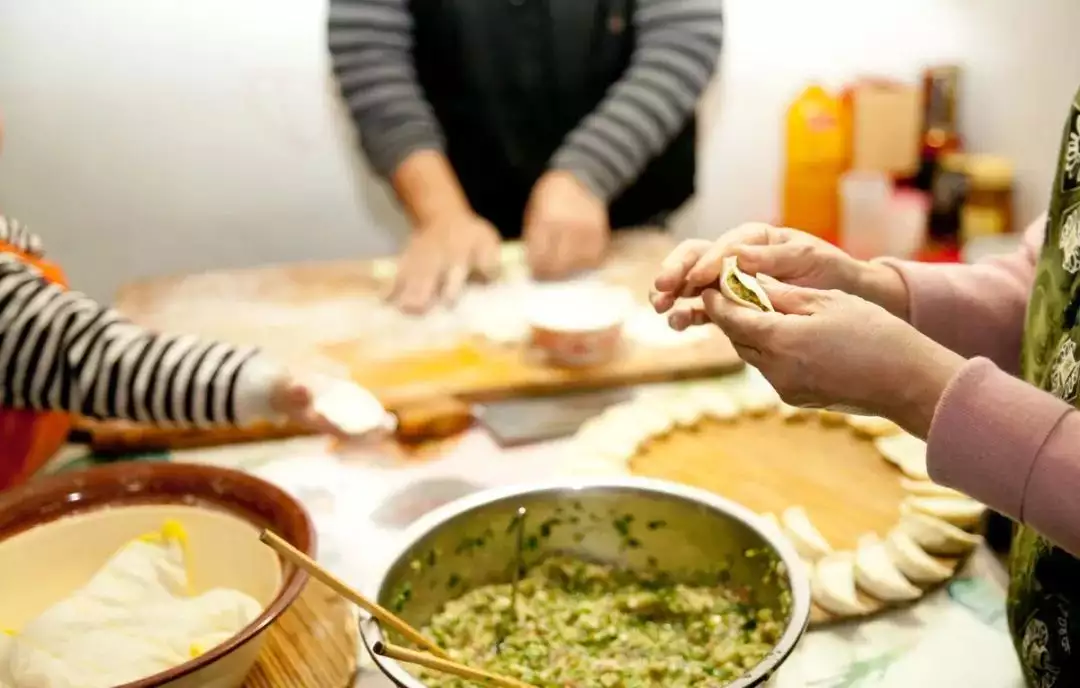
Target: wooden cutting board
x=313 y=315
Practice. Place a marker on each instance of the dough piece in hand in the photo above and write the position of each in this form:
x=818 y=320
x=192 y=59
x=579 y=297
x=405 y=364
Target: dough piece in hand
x=936 y=536
x=928 y=488
x=833 y=585
x=350 y=407
x=906 y=452
x=962 y=512
x=876 y=573
x=808 y=540
x=872 y=426
x=741 y=288
x=913 y=561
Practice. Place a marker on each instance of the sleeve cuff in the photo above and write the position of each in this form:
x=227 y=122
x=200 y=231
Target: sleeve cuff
x=590 y=173
x=254 y=386
x=930 y=310
x=987 y=435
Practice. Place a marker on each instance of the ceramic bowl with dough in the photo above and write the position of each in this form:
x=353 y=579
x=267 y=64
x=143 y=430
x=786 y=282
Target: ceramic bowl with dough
x=578 y=325
x=59 y=531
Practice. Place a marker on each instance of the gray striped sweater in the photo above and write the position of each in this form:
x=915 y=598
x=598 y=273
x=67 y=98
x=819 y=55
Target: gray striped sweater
x=678 y=43
x=60 y=350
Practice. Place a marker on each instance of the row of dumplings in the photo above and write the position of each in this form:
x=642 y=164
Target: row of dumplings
x=892 y=569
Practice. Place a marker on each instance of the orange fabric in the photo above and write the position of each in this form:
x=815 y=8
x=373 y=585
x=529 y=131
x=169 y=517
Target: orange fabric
x=29 y=438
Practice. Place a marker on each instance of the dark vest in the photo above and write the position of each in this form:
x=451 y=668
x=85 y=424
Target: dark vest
x=509 y=79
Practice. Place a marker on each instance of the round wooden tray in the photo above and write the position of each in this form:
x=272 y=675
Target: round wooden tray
x=313 y=645
x=769 y=463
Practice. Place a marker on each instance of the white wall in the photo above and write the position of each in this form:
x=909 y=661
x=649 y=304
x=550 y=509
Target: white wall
x=157 y=136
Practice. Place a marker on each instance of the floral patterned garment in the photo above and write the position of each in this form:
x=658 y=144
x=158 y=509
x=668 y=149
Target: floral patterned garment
x=1044 y=595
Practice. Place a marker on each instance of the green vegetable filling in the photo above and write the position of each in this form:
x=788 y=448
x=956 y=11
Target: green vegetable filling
x=580 y=624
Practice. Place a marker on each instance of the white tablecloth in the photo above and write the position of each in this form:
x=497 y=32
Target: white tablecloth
x=956 y=637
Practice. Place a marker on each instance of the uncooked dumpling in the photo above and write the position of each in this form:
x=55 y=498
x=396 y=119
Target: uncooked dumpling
x=913 y=561
x=905 y=451
x=936 y=536
x=741 y=288
x=755 y=398
x=686 y=411
x=876 y=573
x=833 y=585
x=772 y=524
x=872 y=426
x=792 y=413
x=962 y=512
x=831 y=418
x=928 y=488
x=717 y=404
x=808 y=540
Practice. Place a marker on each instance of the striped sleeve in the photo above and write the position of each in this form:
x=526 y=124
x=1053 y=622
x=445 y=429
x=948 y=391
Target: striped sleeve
x=371 y=45
x=59 y=350
x=19 y=236
x=678 y=45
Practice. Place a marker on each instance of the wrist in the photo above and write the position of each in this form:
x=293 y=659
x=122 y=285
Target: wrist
x=429 y=189
x=257 y=385
x=923 y=379
x=879 y=283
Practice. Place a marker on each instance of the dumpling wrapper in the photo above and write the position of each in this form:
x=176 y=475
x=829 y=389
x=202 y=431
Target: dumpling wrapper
x=878 y=575
x=936 y=536
x=741 y=288
x=111 y=632
x=913 y=561
x=928 y=488
x=808 y=540
x=872 y=426
x=906 y=452
x=962 y=512
x=832 y=585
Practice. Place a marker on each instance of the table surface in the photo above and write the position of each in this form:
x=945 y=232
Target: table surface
x=360 y=503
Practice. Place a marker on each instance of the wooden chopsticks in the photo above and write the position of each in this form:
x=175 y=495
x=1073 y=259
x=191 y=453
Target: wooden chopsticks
x=435 y=658
x=446 y=666
x=337 y=585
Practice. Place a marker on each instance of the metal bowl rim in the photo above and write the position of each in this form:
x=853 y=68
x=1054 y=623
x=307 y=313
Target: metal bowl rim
x=798 y=576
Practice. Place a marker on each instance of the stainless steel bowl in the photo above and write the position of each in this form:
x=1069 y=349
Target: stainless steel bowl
x=682 y=530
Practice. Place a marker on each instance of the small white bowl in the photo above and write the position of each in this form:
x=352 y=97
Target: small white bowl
x=578 y=325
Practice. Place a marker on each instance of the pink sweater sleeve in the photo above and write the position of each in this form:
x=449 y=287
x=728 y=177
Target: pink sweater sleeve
x=975 y=310
x=995 y=437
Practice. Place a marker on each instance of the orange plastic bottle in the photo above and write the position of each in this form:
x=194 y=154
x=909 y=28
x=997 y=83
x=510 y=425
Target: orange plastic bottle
x=816 y=158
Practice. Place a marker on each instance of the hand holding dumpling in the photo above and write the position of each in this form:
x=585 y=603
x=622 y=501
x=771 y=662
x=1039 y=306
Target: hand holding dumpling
x=789 y=255
x=822 y=347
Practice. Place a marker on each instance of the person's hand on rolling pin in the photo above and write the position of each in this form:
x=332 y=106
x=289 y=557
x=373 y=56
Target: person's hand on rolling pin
x=829 y=349
x=329 y=406
x=441 y=257
x=566 y=227
x=789 y=255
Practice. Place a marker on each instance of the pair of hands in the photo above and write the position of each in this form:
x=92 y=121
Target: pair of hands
x=839 y=338
x=565 y=230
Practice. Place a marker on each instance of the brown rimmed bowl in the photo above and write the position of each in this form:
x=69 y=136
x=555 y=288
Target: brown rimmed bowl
x=58 y=531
